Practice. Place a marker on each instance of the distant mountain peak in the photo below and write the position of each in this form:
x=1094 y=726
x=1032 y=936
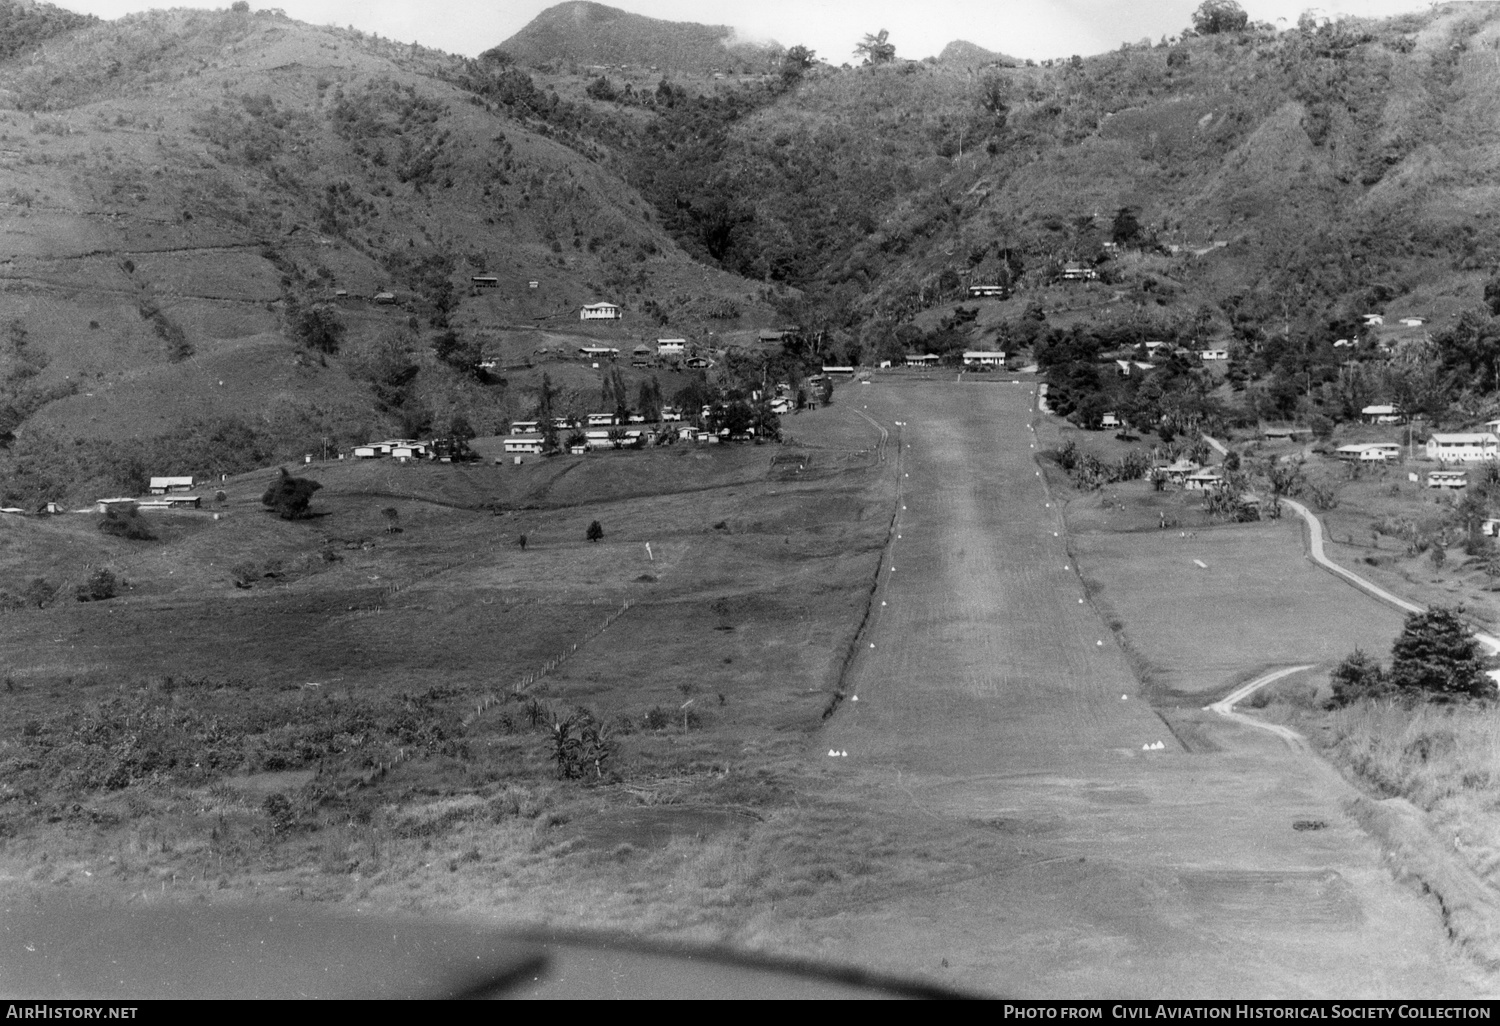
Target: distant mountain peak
x=592 y=34
x=961 y=51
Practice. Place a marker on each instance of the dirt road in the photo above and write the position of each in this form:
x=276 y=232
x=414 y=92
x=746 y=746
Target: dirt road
x=986 y=696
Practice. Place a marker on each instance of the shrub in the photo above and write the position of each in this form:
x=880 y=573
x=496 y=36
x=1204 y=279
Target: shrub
x=126 y=523
x=595 y=531
x=101 y=585
x=1357 y=677
x=289 y=496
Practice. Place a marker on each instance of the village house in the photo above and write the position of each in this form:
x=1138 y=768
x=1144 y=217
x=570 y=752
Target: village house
x=769 y=335
x=984 y=358
x=1468 y=447
x=924 y=360
x=485 y=281
x=641 y=356
x=597 y=352
x=1176 y=473
x=1447 y=479
x=699 y=362
x=118 y=502
x=1369 y=452
x=524 y=427
x=163 y=485
x=1381 y=414
x=988 y=292
x=601 y=420
x=385 y=298
x=1203 y=480
x=671 y=348
x=670 y=413
x=1411 y=322
x=523 y=444
x=598 y=438
x=1129 y=367
x=1372 y=319
x=830 y=369
x=599 y=312
x=409 y=451
x=1109 y=420
x=1209 y=355
x=1489 y=527
x=1290 y=434
x=1079 y=272
x=781 y=405
x=174 y=501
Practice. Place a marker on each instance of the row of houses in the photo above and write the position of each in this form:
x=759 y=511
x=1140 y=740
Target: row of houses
x=971 y=358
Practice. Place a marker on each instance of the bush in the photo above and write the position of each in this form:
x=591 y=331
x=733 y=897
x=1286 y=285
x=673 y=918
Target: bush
x=289 y=496
x=595 y=531
x=101 y=585
x=126 y=523
x=1357 y=677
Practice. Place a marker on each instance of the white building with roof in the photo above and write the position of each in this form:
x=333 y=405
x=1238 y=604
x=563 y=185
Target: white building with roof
x=1466 y=447
x=599 y=312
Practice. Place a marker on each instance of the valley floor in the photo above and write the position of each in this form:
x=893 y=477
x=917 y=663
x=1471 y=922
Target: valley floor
x=1008 y=812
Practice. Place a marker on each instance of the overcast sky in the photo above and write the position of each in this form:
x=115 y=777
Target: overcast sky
x=918 y=28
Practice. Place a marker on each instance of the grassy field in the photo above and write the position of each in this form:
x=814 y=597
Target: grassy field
x=370 y=715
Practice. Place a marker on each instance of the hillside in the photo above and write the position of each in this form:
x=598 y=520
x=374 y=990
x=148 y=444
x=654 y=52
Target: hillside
x=585 y=35
x=1303 y=177
x=190 y=197
x=972 y=55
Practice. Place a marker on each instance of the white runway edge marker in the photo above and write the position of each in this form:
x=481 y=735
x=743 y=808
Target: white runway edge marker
x=1098 y=642
x=1201 y=563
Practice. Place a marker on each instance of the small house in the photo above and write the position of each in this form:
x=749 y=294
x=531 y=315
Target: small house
x=523 y=443
x=1381 y=414
x=369 y=452
x=598 y=438
x=164 y=502
x=984 y=358
x=846 y=371
x=1369 y=452
x=1109 y=420
x=1286 y=433
x=118 y=503
x=1489 y=527
x=769 y=335
x=485 y=281
x=1210 y=355
x=385 y=298
x=923 y=360
x=599 y=312
x=524 y=427
x=1411 y=322
x=579 y=449
x=597 y=352
x=411 y=451
x=1466 y=447
x=671 y=348
x=670 y=413
x=1372 y=319
x=988 y=292
x=641 y=356
x=163 y=485
x=1177 y=473
x=1079 y=272
x=781 y=405
x=699 y=362
x=1447 y=479
x=601 y=420
x=1203 y=480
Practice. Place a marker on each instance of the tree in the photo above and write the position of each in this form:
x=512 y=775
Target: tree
x=101 y=585
x=875 y=49
x=825 y=392
x=993 y=93
x=319 y=327
x=595 y=531
x=1492 y=294
x=1125 y=230
x=126 y=523
x=1437 y=658
x=1215 y=16
x=546 y=397
x=1357 y=677
x=289 y=496
x=794 y=64
x=459 y=427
